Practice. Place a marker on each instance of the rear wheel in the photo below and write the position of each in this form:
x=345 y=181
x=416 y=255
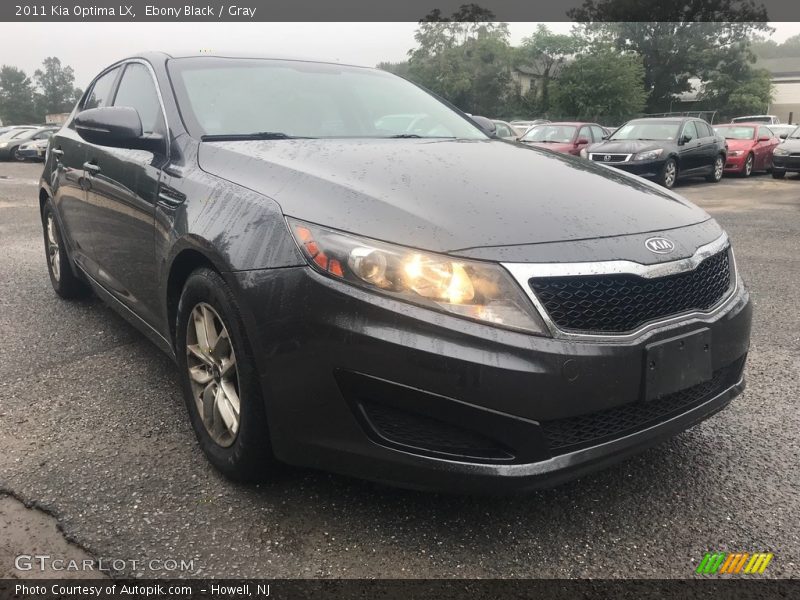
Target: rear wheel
x=748 y=166
x=63 y=279
x=220 y=380
x=669 y=173
x=716 y=171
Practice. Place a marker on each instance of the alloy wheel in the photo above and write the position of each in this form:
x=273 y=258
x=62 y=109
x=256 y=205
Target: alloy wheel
x=53 y=252
x=748 y=166
x=213 y=374
x=669 y=174
x=719 y=164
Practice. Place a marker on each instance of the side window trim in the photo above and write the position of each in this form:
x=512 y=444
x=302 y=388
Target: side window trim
x=114 y=85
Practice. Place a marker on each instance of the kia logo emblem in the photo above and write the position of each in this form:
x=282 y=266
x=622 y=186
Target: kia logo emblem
x=607 y=157
x=659 y=245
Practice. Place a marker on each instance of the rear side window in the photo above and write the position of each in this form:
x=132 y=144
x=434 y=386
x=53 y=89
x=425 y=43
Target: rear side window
x=138 y=91
x=101 y=91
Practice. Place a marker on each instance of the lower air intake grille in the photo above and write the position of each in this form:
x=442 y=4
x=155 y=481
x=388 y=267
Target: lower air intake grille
x=565 y=435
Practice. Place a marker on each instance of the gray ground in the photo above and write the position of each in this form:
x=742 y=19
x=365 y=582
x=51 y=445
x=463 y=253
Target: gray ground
x=92 y=429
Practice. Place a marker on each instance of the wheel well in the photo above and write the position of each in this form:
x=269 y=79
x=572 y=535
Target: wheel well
x=43 y=197
x=184 y=264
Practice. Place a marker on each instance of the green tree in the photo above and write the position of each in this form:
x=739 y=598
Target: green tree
x=676 y=40
x=602 y=84
x=398 y=68
x=746 y=93
x=546 y=52
x=55 y=87
x=466 y=59
x=16 y=97
x=766 y=48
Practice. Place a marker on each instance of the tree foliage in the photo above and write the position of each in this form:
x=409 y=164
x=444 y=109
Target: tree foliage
x=16 y=97
x=464 y=59
x=55 y=86
x=676 y=40
x=603 y=83
x=546 y=53
x=748 y=93
x=766 y=48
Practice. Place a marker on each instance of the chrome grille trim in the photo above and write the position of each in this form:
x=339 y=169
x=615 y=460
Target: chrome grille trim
x=523 y=272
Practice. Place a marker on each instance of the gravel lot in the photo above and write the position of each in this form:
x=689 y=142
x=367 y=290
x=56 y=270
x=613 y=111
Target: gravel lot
x=93 y=431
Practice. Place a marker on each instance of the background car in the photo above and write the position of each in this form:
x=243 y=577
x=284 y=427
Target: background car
x=750 y=147
x=783 y=131
x=7 y=128
x=35 y=150
x=504 y=130
x=786 y=156
x=766 y=119
x=11 y=141
x=663 y=149
x=567 y=137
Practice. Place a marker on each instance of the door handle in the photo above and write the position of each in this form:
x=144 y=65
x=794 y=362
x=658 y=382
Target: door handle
x=91 y=167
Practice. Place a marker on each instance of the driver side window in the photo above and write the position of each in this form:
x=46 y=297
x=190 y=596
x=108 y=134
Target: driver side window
x=690 y=131
x=138 y=91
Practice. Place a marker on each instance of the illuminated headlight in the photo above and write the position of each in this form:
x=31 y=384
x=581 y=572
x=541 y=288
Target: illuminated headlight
x=648 y=154
x=734 y=153
x=584 y=153
x=781 y=152
x=475 y=290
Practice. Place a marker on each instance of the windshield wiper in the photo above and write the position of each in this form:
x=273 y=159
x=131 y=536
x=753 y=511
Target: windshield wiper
x=259 y=135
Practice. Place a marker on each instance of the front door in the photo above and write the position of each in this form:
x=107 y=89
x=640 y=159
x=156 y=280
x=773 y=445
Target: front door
x=123 y=191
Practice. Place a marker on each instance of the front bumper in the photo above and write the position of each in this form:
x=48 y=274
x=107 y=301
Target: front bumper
x=649 y=169
x=786 y=163
x=467 y=407
x=735 y=164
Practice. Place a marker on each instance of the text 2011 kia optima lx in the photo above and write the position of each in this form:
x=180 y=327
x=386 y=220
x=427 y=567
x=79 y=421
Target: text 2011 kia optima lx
x=352 y=276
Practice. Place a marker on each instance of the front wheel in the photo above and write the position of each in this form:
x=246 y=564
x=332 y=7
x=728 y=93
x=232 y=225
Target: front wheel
x=220 y=380
x=748 y=166
x=716 y=173
x=778 y=174
x=15 y=154
x=669 y=173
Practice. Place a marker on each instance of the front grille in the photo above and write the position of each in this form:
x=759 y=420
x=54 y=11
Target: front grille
x=623 y=303
x=430 y=435
x=611 y=157
x=566 y=435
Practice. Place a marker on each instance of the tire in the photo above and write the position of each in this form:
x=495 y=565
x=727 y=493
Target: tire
x=65 y=283
x=222 y=376
x=778 y=174
x=669 y=174
x=716 y=171
x=14 y=152
x=747 y=170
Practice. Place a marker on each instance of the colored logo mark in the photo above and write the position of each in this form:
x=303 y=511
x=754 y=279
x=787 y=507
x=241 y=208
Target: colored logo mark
x=720 y=563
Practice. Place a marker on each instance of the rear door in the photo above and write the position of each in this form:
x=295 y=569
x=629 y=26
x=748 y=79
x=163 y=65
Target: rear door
x=123 y=195
x=689 y=151
x=68 y=153
x=708 y=145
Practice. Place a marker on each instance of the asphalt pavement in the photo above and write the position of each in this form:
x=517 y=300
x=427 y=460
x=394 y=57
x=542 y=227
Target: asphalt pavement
x=93 y=432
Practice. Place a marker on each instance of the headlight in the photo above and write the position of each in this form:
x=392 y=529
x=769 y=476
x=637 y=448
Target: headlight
x=735 y=152
x=3 y=144
x=781 y=152
x=584 y=153
x=475 y=290
x=648 y=154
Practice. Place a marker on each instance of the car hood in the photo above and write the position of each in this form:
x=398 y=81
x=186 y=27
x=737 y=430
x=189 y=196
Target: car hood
x=554 y=147
x=790 y=145
x=447 y=195
x=627 y=146
x=739 y=144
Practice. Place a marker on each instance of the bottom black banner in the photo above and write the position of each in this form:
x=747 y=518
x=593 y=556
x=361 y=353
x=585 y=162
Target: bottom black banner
x=347 y=589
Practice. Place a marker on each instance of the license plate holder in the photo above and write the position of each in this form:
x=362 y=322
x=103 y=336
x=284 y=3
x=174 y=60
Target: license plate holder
x=677 y=363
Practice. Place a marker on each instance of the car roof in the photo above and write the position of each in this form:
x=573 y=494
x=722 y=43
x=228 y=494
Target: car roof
x=666 y=119
x=159 y=56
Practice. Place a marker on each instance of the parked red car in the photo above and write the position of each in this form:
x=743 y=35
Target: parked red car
x=750 y=147
x=565 y=137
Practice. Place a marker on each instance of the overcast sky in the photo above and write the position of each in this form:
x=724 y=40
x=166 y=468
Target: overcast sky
x=88 y=47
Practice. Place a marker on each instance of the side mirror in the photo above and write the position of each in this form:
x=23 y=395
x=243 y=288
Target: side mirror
x=784 y=136
x=486 y=125
x=764 y=138
x=582 y=141
x=685 y=139
x=606 y=136
x=115 y=126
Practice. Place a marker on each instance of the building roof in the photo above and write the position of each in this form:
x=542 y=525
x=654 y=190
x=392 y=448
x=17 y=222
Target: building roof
x=787 y=65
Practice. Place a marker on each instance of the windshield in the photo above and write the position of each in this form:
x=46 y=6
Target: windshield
x=556 y=134
x=644 y=130
x=736 y=133
x=795 y=135
x=223 y=96
x=753 y=120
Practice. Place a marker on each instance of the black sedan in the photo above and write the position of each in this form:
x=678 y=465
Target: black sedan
x=786 y=156
x=342 y=293
x=663 y=150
